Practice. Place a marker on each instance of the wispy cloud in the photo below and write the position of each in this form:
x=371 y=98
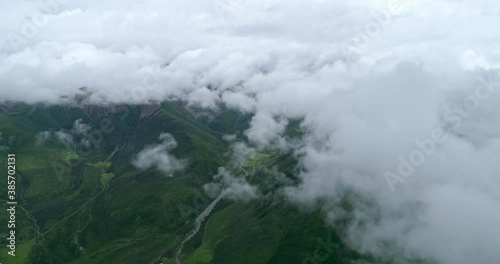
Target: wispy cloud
x=159 y=156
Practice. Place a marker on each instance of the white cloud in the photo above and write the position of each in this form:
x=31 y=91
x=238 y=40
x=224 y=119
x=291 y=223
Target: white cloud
x=241 y=153
x=361 y=109
x=65 y=137
x=158 y=156
x=231 y=186
x=79 y=128
x=266 y=130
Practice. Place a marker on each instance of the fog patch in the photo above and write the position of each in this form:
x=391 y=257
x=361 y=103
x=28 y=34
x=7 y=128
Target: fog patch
x=233 y=187
x=159 y=156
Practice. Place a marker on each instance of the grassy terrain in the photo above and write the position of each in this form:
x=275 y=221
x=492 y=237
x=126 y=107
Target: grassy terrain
x=84 y=205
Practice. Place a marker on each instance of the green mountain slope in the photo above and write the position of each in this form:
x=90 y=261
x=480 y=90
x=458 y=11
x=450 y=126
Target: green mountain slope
x=89 y=204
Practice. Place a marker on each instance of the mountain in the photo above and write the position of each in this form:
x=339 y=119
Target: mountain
x=82 y=200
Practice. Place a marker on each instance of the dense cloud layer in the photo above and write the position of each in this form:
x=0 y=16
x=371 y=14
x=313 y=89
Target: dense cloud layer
x=399 y=98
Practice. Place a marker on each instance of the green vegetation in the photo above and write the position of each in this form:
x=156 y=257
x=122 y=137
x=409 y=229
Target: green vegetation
x=92 y=206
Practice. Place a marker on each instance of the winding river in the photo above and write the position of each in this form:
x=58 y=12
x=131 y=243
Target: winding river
x=199 y=220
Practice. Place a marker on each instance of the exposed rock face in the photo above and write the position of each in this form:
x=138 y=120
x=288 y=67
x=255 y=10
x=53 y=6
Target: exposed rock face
x=149 y=110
